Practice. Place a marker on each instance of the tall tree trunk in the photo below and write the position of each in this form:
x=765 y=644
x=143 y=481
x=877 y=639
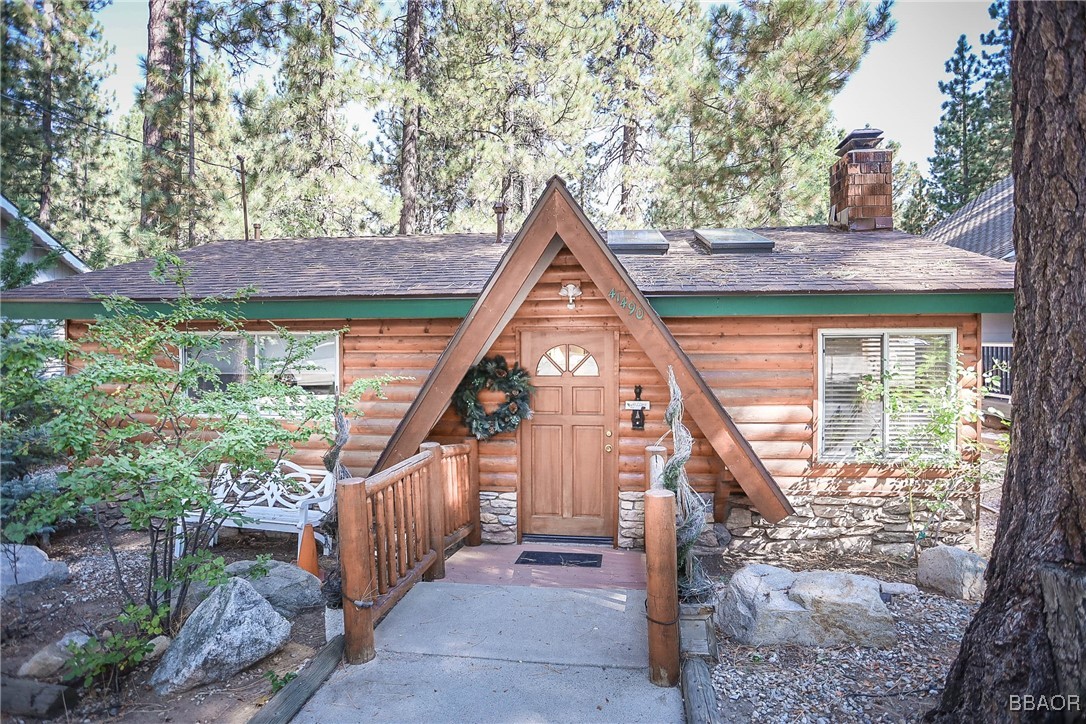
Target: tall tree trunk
x=161 y=134
x=191 y=192
x=775 y=193
x=1012 y=647
x=629 y=145
x=45 y=196
x=691 y=161
x=966 y=191
x=409 y=152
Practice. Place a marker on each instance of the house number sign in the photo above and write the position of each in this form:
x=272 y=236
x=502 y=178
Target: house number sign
x=627 y=303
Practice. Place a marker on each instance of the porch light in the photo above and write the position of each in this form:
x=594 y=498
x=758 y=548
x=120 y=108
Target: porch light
x=572 y=290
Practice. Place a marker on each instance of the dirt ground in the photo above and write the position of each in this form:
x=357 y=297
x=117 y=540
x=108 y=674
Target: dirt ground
x=92 y=599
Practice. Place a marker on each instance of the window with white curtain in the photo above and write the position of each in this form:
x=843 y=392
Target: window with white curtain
x=234 y=355
x=879 y=389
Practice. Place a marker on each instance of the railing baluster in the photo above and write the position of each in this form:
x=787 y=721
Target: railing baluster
x=390 y=535
x=401 y=529
x=411 y=529
x=381 y=541
x=420 y=508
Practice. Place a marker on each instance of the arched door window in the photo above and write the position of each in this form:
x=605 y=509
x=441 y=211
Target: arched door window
x=564 y=358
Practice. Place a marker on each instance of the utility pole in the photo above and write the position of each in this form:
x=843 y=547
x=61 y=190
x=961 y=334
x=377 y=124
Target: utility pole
x=244 y=198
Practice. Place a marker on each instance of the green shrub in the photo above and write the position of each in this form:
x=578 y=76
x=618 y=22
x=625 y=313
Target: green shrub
x=148 y=433
x=32 y=506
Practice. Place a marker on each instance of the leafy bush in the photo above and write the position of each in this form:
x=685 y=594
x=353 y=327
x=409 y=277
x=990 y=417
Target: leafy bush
x=933 y=445
x=148 y=430
x=103 y=661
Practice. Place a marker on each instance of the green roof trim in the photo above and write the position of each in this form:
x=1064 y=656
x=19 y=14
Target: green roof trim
x=763 y=305
x=418 y=308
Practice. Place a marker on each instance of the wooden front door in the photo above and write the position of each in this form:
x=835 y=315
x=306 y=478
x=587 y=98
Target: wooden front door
x=567 y=464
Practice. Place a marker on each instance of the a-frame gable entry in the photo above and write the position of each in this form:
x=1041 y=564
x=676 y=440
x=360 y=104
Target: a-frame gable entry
x=555 y=221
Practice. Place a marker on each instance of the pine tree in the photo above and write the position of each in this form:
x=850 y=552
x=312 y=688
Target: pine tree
x=641 y=70
x=409 y=138
x=754 y=144
x=918 y=213
x=163 y=204
x=311 y=172
x=509 y=102
x=1026 y=638
x=15 y=271
x=52 y=148
x=958 y=167
x=996 y=72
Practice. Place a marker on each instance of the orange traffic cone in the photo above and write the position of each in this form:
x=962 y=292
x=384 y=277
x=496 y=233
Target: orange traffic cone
x=307 y=553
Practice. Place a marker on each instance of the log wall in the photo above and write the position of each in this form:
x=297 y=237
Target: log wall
x=762 y=369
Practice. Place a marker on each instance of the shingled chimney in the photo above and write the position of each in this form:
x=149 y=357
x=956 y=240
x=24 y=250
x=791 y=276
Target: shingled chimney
x=862 y=183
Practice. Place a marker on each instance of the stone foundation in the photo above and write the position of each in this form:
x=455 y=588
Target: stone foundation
x=834 y=523
x=631 y=520
x=498 y=516
x=847 y=524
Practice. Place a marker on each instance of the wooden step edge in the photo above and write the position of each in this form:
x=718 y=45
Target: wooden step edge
x=282 y=707
x=699 y=697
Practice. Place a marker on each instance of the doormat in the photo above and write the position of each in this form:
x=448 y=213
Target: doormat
x=553 y=558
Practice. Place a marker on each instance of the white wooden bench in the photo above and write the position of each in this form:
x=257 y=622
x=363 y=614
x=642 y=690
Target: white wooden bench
x=284 y=501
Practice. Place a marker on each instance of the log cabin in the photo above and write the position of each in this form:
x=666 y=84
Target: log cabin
x=769 y=332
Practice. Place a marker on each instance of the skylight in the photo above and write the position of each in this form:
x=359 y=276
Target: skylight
x=722 y=241
x=637 y=241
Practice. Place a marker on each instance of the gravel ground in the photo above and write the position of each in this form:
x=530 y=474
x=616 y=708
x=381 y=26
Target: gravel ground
x=798 y=684
x=794 y=684
x=91 y=601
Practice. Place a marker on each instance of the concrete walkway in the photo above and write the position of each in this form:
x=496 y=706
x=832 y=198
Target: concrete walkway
x=461 y=652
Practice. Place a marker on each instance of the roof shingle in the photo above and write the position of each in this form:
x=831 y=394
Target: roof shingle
x=984 y=226
x=814 y=259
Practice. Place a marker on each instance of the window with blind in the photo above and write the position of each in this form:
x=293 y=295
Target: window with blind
x=879 y=390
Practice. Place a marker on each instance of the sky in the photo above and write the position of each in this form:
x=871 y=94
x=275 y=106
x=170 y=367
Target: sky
x=895 y=89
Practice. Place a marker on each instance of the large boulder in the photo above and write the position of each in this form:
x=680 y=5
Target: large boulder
x=230 y=631
x=952 y=571
x=29 y=697
x=49 y=660
x=27 y=569
x=289 y=589
x=767 y=605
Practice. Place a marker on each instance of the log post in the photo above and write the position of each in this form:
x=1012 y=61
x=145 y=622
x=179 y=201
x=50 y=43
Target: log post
x=435 y=500
x=662 y=587
x=476 y=536
x=654 y=466
x=356 y=568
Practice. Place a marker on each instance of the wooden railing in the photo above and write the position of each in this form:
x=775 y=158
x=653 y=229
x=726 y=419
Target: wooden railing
x=460 y=467
x=393 y=528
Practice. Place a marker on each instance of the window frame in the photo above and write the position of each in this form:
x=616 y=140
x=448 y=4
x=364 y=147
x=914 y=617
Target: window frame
x=336 y=336
x=885 y=333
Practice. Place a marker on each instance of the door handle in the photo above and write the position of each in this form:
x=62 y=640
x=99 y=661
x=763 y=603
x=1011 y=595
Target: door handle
x=607 y=448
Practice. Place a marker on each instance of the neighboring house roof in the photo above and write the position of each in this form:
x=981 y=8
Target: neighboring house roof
x=984 y=226
x=42 y=238
x=805 y=260
x=557 y=221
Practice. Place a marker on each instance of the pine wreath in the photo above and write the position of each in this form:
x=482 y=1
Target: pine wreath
x=493 y=373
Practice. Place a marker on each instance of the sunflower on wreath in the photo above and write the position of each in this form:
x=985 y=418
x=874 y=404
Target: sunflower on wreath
x=493 y=373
